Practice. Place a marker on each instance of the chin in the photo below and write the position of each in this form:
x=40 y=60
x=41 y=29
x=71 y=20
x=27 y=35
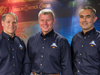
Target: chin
x=11 y=32
x=45 y=30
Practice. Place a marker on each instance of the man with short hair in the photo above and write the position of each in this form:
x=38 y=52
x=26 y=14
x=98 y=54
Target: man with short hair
x=86 y=45
x=12 y=48
x=49 y=52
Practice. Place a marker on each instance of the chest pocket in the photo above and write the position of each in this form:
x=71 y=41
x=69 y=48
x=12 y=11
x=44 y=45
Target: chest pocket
x=54 y=50
x=20 y=50
x=20 y=53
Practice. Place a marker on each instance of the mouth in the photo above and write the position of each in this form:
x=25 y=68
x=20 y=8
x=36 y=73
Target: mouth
x=84 y=23
x=11 y=28
x=45 y=27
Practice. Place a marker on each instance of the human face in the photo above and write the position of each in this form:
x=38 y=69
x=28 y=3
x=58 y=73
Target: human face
x=87 y=20
x=46 y=23
x=9 y=25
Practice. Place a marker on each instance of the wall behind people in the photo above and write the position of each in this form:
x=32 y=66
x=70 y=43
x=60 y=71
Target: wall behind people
x=66 y=15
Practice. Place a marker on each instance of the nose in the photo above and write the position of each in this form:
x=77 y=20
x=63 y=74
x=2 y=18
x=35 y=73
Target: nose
x=11 y=24
x=45 y=22
x=84 y=19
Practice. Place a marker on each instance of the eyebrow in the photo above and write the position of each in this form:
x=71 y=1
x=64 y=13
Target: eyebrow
x=85 y=15
x=88 y=15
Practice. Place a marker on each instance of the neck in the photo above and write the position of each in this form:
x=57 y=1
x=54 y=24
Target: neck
x=12 y=36
x=44 y=33
x=84 y=31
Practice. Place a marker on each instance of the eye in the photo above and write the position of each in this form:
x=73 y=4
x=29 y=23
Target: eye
x=81 y=16
x=41 y=20
x=48 y=20
x=88 y=16
x=8 y=21
x=14 y=22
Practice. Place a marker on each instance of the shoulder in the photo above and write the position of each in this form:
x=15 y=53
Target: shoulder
x=59 y=37
x=34 y=36
x=77 y=35
x=19 y=40
x=61 y=41
x=98 y=34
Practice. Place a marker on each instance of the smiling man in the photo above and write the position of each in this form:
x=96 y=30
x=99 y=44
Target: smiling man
x=86 y=45
x=12 y=48
x=9 y=23
x=48 y=51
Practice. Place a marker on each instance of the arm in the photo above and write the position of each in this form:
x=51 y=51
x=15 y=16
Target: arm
x=66 y=60
x=27 y=62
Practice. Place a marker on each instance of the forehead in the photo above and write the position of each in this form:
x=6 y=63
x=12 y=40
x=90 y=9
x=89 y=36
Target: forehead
x=86 y=12
x=9 y=16
x=45 y=16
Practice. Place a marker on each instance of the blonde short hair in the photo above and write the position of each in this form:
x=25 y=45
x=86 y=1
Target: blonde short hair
x=46 y=11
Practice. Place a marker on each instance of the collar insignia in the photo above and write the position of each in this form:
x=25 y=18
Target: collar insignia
x=92 y=43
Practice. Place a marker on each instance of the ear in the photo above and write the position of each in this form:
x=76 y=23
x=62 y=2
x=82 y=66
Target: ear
x=2 y=23
x=53 y=21
x=95 y=18
x=17 y=26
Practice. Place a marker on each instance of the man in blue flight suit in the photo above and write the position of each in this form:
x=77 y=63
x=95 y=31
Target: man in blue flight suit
x=48 y=51
x=86 y=45
x=12 y=48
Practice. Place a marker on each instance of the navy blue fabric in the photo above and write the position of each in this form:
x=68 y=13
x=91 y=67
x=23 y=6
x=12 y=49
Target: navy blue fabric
x=12 y=53
x=49 y=54
x=86 y=53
